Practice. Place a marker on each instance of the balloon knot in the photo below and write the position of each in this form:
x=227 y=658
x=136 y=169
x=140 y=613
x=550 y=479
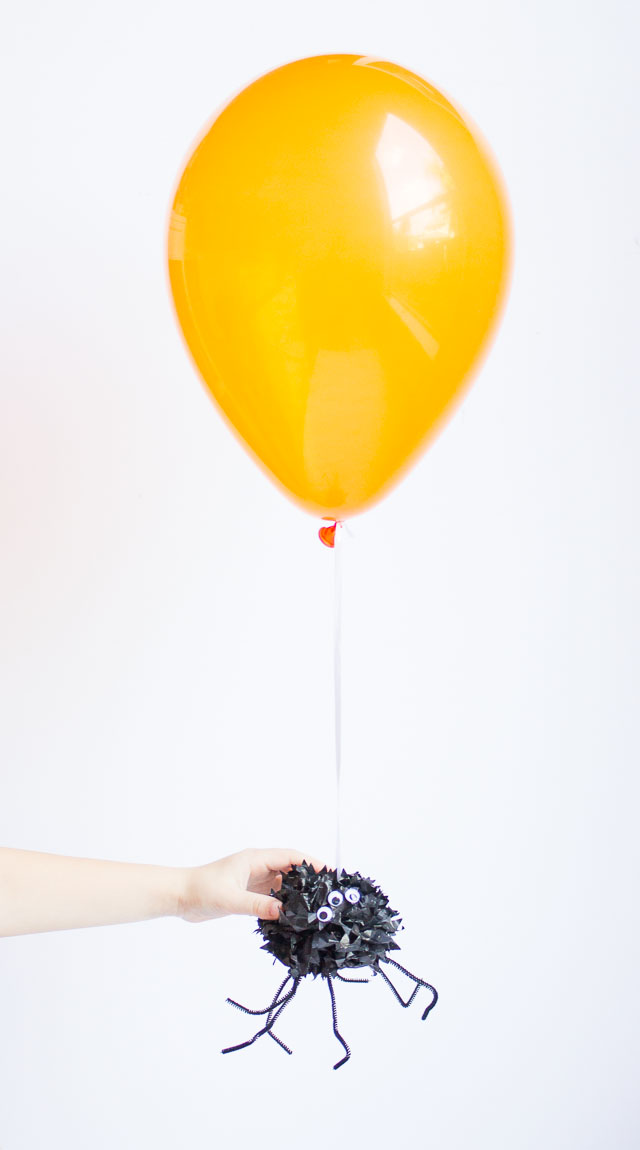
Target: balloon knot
x=327 y=535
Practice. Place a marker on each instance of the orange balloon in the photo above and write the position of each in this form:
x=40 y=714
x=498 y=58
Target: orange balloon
x=338 y=255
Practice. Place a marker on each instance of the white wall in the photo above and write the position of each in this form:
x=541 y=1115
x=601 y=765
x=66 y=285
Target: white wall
x=166 y=679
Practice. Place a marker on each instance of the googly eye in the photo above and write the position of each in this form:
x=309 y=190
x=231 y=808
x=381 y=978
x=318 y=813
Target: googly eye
x=325 y=914
x=335 y=898
x=352 y=895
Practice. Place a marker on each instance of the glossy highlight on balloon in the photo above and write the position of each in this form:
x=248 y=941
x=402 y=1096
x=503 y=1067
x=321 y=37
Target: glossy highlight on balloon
x=338 y=257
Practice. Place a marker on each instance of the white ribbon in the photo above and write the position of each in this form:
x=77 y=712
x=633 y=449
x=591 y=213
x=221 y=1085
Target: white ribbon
x=337 y=674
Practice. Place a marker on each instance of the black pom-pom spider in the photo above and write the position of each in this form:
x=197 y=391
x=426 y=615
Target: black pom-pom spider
x=330 y=922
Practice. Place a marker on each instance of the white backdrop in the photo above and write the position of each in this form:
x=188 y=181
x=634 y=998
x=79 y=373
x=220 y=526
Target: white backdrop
x=166 y=670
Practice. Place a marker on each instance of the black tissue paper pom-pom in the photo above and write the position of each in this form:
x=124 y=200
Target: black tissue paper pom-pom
x=330 y=921
x=354 y=928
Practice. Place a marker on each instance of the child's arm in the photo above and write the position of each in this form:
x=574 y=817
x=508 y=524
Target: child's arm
x=41 y=892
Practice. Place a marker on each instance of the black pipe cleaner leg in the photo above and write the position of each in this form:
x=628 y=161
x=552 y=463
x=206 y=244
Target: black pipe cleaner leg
x=334 y=1014
x=396 y=992
x=273 y=1012
x=271 y=1021
x=267 y=1009
x=414 y=978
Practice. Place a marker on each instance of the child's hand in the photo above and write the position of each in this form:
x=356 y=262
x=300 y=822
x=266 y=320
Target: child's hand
x=51 y=892
x=238 y=884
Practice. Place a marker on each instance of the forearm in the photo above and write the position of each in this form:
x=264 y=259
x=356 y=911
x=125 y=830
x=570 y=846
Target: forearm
x=41 y=892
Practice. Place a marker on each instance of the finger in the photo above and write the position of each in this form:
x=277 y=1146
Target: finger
x=256 y=905
x=278 y=859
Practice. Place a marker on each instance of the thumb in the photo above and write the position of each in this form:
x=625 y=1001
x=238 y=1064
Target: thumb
x=258 y=905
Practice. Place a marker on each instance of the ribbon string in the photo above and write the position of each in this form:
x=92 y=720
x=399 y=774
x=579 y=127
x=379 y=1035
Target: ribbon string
x=337 y=679
x=333 y=536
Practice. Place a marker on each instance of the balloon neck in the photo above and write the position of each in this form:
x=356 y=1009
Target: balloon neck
x=327 y=535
